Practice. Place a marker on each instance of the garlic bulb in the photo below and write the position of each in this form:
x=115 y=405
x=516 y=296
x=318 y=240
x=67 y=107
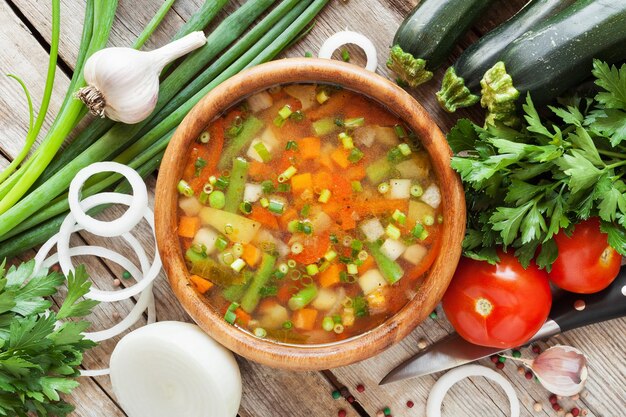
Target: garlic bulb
x=123 y=83
x=562 y=370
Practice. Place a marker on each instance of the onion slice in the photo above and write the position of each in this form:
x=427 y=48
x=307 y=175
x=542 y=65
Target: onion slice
x=441 y=387
x=340 y=39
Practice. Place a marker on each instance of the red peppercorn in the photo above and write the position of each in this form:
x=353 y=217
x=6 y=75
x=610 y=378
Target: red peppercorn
x=536 y=349
x=528 y=375
x=553 y=399
x=500 y=365
x=556 y=407
x=575 y=412
x=494 y=358
x=342 y=413
x=410 y=404
x=350 y=399
x=360 y=388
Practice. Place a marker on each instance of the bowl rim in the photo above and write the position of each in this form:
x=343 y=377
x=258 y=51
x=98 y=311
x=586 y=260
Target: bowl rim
x=395 y=328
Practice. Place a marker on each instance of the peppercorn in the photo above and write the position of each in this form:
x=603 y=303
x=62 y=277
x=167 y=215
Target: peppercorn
x=536 y=349
x=500 y=365
x=556 y=407
x=387 y=411
x=521 y=370
x=410 y=404
x=126 y=275
x=517 y=353
x=575 y=412
x=380 y=413
x=350 y=399
x=528 y=375
x=553 y=399
x=116 y=282
x=502 y=359
x=360 y=388
x=433 y=315
x=494 y=358
x=342 y=413
x=344 y=392
x=537 y=407
x=336 y=394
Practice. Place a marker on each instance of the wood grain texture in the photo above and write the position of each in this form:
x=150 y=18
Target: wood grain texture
x=268 y=392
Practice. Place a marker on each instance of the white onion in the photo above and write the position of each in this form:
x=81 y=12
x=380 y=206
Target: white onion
x=116 y=227
x=340 y=39
x=392 y=248
x=441 y=387
x=432 y=196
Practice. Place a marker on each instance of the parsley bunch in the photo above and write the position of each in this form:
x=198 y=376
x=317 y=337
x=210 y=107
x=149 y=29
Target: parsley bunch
x=39 y=357
x=524 y=186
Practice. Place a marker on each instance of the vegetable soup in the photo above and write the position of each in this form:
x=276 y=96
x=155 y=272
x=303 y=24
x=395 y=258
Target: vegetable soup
x=308 y=214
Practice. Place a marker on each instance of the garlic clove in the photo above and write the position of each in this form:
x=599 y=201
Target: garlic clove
x=562 y=370
x=123 y=83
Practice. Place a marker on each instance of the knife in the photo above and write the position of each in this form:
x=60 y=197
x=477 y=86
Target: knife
x=570 y=311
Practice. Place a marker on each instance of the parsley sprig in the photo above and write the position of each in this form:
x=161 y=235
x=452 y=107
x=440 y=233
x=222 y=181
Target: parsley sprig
x=39 y=356
x=524 y=186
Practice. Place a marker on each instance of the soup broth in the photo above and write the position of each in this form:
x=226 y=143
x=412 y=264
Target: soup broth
x=308 y=214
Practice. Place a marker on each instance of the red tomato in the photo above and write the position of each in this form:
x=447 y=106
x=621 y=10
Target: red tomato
x=586 y=263
x=501 y=305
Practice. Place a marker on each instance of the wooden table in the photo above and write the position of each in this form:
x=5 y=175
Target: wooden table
x=24 y=42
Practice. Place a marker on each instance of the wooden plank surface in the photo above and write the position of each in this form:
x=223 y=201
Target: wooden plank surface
x=270 y=392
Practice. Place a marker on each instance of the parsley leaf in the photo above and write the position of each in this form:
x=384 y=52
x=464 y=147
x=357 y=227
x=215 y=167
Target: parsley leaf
x=613 y=80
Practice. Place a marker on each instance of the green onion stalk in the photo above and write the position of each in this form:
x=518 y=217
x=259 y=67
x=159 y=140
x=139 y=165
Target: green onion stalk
x=276 y=38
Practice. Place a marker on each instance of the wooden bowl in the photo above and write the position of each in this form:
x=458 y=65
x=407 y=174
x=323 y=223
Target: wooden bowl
x=370 y=343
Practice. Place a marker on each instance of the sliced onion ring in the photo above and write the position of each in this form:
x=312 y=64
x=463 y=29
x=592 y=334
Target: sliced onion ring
x=441 y=387
x=340 y=39
x=63 y=247
x=116 y=227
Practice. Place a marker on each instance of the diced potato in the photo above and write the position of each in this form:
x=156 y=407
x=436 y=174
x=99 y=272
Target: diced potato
x=417 y=211
x=190 y=205
x=415 y=253
x=274 y=317
x=372 y=229
x=399 y=188
x=432 y=196
x=386 y=135
x=253 y=154
x=371 y=281
x=365 y=135
x=377 y=301
x=412 y=168
x=392 y=249
x=325 y=300
x=243 y=229
x=207 y=237
x=260 y=101
x=303 y=93
x=252 y=192
x=321 y=222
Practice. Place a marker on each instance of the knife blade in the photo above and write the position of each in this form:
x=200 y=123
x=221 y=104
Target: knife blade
x=569 y=311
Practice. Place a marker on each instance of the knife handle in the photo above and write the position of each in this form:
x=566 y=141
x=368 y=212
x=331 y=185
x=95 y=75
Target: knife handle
x=571 y=311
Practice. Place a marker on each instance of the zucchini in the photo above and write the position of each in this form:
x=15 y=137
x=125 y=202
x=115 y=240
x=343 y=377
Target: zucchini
x=428 y=35
x=553 y=56
x=461 y=83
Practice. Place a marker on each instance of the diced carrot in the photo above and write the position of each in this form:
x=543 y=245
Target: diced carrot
x=188 y=226
x=202 y=285
x=314 y=248
x=325 y=161
x=304 y=318
x=331 y=276
x=301 y=182
x=367 y=264
x=259 y=171
x=251 y=254
x=310 y=148
x=341 y=188
x=355 y=172
x=243 y=318
x=190 y=168
x=264 y=217
x=347 y=219
x=285 y=292
x=340 y=157
x=289 y=215
x=322 y=180
x=380 y=206
x=334 y=105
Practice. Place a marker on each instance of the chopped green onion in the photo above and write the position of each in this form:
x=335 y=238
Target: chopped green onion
x=276 y=206
x=356 y=244
x=312 y=269
x=291 y=263
x=285 y=112
x=346 y=140
x=228 y=258
x=238 y=265
x=204 y=137
x=337 y=317
x=283 y=268
x=298 y=116
x=283 y=188
x=418 y=231
x=291 y=145
x=330 y=255
x=230 y=316
x=356 y=122
x=395 y=155
x=417 y=190
x=245 y=207
x=287 y=325
x=292 y=226
x=392 y=231
x=352 y=269
x=212 y=180
x=235 y=128
x=356 y=186
x=217 y=200
x=238 y=249
x=279 y=275
x=306 y=228
x=322 y=97
x=338 y=328
x=343 y=276
x=279 y=121
x=228 y=229
x=268 y=186
x=429 y=220
x=221 y=243
x=208 y=188
x=355 y=155
x=222 y=183
x=199 y=165
x=440 y=218
x=328 y=324
x=383 y=188
x=308 y=54
x=399 y=129
x=264 y=202
x=260 y=332
x=404 y=149
x=399 y=217
x=289 y=172
x=297 y=248
x=305 y=210
x=203 y=198
x=345 y=55
x=339 y=122
x=184 y=188
x=261 y=149
x=324 y=196
x=324 y=266
x=362 y=256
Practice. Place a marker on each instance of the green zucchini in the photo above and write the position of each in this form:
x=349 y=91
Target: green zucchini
x=554 y=56
x=428 y=35
x=461 y=82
